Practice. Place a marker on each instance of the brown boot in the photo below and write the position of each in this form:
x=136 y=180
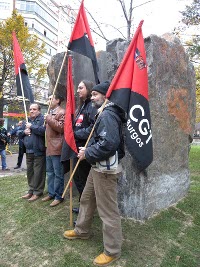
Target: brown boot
x=104 y=260
x=47 y=198
x=27 y=196
x=55 y=203
x=71 y=234
x=33 y=198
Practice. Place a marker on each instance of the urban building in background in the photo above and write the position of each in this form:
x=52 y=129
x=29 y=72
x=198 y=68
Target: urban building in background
x=51 y=21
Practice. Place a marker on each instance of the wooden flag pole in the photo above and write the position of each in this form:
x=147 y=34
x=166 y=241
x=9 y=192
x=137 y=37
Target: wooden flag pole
x=22 y=89
x=55 y=87
x=70 y=196
x=71 y=176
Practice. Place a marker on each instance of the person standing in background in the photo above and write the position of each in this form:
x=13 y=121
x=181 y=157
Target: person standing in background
x=3 y=143
x=54 y=139
x=21 y=150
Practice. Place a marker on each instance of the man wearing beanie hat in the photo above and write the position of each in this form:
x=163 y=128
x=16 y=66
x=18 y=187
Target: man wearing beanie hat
x=101 y=187
x=102 y=87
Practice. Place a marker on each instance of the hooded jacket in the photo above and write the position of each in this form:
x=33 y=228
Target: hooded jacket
x=107 y=137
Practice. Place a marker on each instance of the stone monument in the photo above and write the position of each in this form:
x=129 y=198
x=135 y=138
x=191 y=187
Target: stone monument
x=172 y=98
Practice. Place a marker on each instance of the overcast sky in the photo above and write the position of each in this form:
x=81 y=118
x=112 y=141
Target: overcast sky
x=160 y=16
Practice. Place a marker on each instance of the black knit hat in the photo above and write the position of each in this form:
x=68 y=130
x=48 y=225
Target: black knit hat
x=102 y=87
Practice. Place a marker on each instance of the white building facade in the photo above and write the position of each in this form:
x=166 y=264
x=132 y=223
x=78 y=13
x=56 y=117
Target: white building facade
x=48 y=19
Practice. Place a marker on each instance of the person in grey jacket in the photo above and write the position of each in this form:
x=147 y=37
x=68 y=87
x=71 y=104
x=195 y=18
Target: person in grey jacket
x=101 y=187
x=33 y=133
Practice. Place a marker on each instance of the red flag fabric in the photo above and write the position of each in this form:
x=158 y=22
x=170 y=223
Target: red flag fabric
x=81 y=39
x=20 y=65
x=70 y=147
x=129 y=90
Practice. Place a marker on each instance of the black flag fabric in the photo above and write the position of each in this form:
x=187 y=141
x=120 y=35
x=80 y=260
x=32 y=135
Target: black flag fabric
x=81 y=39
x=129 y=90
x=20 y=69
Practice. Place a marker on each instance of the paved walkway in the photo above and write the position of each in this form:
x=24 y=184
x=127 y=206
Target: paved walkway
x=11 y=161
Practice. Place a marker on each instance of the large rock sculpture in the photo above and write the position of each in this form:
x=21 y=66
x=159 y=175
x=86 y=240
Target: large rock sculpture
x=172 y=104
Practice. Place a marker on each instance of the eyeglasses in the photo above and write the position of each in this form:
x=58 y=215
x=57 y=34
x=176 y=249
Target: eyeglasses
x=80 y=87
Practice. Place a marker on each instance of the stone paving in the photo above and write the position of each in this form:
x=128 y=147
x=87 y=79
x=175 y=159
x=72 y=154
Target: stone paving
x=11 y=160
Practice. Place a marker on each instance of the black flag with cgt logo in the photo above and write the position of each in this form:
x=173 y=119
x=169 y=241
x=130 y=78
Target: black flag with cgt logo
x=129 y=90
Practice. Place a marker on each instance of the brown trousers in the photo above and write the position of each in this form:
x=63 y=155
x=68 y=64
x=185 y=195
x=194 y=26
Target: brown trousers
x=101 y=192
x=36 y=173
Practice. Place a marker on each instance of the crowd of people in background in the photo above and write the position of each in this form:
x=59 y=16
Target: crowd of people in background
x=42 y=139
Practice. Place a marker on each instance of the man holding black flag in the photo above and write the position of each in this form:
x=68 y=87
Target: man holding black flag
x=100 y=191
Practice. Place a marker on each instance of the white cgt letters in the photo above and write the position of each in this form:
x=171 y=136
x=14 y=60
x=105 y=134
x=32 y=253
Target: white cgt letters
x=143 y=127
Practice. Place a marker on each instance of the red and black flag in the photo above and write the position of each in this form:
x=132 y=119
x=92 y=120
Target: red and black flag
x=20 y=70
x=81 y=39
x=69 y=147
x=129 y=90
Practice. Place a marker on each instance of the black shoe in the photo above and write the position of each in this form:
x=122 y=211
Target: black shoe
x=75 y=210
x=17 y=167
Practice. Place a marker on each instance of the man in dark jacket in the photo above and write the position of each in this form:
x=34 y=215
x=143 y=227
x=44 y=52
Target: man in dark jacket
x=3 y=143
x=101 y=187
x=54 y=139
x=33 y=133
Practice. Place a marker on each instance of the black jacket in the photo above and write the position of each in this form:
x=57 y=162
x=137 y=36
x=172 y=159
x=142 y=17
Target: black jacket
x=82 y=126
x=3 y=138
x=36 y=141
x=107 y=137
x=84 y=122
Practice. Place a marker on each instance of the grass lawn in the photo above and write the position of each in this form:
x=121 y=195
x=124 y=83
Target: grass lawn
x=31 y=234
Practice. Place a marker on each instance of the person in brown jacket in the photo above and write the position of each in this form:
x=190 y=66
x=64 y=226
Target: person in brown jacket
x=54 y=139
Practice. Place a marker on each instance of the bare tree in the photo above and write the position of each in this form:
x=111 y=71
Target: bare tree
x=128 y=15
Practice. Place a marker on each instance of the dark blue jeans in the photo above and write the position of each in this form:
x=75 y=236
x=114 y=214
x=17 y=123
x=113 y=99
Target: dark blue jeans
x=55 y=176
x=3 y=159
